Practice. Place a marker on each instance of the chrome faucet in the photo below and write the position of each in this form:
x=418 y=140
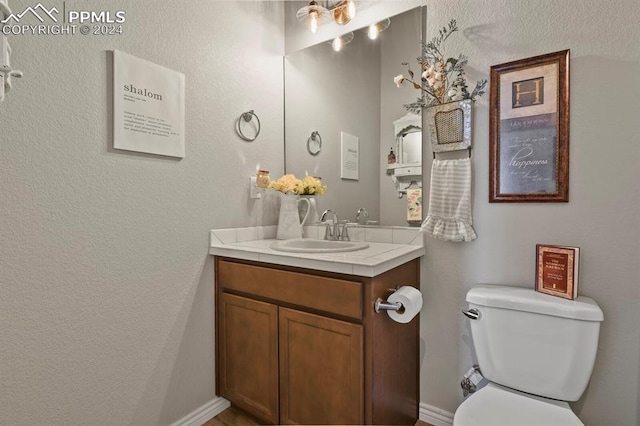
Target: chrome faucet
x=362 y=216
x=335 y=233
x=330 y=234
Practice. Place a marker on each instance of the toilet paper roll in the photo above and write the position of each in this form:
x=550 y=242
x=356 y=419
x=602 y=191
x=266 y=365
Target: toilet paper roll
x=411 y=300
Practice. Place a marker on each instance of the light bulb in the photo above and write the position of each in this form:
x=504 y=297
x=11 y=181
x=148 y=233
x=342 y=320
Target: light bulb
x=373 y=31
x=351 y=9
x=337 y=44
x=313 y=21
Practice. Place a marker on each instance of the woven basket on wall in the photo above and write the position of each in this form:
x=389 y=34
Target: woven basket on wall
x=450 y=126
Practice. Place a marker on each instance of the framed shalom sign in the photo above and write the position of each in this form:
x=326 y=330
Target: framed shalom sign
x=148 y=107
x=529 y=130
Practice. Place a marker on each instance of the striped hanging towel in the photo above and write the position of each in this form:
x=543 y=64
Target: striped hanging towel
x=449 y=216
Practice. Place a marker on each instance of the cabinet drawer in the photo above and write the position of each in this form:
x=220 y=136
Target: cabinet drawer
x=408 y=171
x=330 y=295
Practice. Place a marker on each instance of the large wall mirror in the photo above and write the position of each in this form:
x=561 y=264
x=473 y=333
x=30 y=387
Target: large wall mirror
x=351 y=94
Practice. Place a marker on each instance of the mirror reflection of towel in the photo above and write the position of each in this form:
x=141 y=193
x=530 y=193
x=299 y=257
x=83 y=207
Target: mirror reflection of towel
x=449 y=216
x=414 y=205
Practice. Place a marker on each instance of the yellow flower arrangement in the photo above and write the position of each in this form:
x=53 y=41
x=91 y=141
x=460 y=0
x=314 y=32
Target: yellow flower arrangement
x=289 y=183
x=313 y=186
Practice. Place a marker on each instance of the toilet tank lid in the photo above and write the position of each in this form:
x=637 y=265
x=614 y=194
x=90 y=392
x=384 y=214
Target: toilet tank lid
x=529 y=300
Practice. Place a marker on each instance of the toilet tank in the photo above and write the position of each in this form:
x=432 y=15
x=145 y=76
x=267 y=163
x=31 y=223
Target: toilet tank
x=533 y=342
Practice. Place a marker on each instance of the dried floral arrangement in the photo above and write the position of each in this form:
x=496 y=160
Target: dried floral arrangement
x=443 y=79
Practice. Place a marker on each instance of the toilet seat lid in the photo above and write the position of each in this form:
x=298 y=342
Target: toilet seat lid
x=495 y=405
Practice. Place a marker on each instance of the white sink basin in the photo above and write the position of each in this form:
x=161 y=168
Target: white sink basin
x=310 y=245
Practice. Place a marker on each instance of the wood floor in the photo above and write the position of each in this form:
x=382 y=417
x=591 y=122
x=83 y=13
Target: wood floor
x=234 y=417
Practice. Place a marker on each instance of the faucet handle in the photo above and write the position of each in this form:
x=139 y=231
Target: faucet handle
x=328 y=232
x=344 y=233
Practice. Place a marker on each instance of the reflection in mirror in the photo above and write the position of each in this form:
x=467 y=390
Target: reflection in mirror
x=411 y=149
x=352 y=92
x=409 y=137
x=406 y=172
x=314 y=143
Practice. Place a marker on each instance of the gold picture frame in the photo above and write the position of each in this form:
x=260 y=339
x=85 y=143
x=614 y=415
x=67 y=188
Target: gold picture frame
x=529 y=130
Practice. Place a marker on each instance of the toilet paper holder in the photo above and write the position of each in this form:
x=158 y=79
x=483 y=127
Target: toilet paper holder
x=402 y=305
x=383 y=305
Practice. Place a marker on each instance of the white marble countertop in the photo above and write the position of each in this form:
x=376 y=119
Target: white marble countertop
x=388 y=248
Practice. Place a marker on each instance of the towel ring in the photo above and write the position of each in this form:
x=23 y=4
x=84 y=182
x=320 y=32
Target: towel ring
x=314 y=143
x=247 y=117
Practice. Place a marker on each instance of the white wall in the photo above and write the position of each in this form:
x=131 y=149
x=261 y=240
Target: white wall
x=601 y=216
x=106 y=288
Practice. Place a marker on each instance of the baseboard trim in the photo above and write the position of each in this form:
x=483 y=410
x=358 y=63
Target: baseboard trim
x=434 y=415
x=198 y=417
x=201 y=415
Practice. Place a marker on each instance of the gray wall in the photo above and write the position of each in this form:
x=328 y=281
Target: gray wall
x=601 y=216
x=106 y=287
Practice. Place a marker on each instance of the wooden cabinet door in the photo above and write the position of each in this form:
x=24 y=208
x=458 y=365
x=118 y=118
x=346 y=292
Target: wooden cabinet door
x=321 y=370
x=248 y=355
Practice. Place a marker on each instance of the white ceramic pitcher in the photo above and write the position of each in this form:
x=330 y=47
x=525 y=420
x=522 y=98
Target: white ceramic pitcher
x=311 y=213
x=289 y=223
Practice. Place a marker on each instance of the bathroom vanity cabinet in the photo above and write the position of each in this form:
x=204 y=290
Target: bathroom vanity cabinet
x=300 y=346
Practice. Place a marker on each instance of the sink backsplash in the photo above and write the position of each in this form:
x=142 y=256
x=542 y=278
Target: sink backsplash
x=372 y=234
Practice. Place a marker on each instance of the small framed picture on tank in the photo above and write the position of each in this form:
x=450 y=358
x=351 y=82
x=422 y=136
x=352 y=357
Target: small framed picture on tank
x=557 y=270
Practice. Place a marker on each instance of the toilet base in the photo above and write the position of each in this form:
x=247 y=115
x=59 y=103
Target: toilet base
x=496 y=405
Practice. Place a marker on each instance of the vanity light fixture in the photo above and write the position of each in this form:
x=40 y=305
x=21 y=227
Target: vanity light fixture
x=344 y=12
x=338 y=43
x=374 y=30
x=313 y=15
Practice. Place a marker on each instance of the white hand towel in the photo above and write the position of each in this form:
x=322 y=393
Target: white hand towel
x=449 y=216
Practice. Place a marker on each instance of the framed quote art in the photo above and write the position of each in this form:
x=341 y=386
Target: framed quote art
x=529 y=130
x=148 y=107
x=349 y=156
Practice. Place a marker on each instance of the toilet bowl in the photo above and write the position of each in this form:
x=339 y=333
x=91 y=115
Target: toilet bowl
x=537 y=351
x=496 y=405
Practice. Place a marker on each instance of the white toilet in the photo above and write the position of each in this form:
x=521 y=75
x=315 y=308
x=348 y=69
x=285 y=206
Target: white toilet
x=537 y=351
